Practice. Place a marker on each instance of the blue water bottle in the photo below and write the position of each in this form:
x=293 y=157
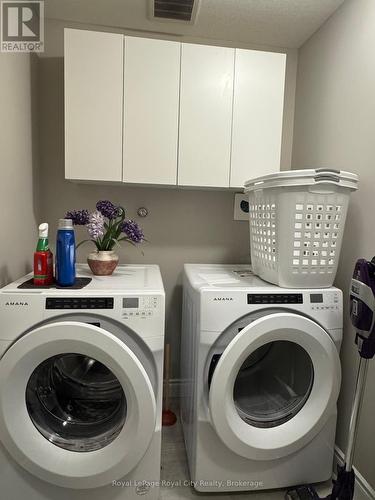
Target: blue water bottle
x=65 y=254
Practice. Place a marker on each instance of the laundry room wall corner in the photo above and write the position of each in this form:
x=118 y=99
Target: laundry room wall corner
x=334 y=127
x=19 y=163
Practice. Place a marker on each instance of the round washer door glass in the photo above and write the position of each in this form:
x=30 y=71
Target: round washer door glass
x=76 y=402
x=273 y=384
x=70 y=387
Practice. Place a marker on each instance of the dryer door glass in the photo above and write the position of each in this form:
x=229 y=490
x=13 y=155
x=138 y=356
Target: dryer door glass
x=273 y=384
x=76 y=402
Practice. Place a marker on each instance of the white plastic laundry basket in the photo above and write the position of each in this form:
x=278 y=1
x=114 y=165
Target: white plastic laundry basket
x=297 y=222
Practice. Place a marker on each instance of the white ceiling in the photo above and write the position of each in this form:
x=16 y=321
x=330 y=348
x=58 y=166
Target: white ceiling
x=277 y=23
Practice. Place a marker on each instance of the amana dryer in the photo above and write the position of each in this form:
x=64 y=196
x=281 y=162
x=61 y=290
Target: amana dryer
x=260 y=380
x=81 y=388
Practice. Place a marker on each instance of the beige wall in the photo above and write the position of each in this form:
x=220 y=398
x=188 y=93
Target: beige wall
x=183 y=225
x=18 y=165
x=335 y=126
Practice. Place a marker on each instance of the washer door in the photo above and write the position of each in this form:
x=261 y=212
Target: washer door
x=77 y=408
x=274 y=386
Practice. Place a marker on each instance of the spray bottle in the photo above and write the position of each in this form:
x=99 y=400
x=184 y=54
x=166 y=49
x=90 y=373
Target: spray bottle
x=43 y=259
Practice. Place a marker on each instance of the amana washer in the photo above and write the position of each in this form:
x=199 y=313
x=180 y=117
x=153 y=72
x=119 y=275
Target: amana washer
x=81 y=388
x=260 y=380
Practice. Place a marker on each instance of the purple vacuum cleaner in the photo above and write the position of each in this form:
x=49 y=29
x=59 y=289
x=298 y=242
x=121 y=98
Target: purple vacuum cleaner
x=362 y=315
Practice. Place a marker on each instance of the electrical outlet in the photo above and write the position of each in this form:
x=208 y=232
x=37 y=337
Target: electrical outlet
x=241 y=206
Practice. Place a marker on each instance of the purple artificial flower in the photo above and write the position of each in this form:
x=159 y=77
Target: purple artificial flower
x=108 y=209
x=95 y=227
x=133 y=231
x=79 y=217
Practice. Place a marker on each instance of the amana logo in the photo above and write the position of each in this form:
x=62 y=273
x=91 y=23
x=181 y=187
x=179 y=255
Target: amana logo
x=223 y=299
x=16 y=303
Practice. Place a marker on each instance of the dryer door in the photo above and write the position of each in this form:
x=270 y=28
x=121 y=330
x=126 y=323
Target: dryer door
x=77 y=407
x=274 y=386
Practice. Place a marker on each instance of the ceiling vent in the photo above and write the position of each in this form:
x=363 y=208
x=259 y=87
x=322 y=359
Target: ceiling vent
x=175 y=10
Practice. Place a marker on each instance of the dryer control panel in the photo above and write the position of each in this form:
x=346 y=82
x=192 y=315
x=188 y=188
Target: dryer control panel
x=274 y=298
x=315 y=301
x=221 y=307
x=325 y=301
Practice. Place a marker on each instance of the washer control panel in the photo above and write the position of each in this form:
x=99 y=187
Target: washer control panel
x=144 y=306
x=79 y=303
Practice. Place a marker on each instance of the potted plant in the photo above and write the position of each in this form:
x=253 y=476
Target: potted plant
x=107 y=226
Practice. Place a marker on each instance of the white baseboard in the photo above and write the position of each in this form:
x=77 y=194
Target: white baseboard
x=362 y=489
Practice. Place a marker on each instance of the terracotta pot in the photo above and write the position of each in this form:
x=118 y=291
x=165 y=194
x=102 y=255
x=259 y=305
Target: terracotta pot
x=103 y=263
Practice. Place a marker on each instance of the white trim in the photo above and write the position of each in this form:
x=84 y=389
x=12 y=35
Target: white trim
x=362 y=489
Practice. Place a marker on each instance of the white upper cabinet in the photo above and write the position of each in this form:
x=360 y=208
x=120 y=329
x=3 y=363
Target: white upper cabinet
x=151 y=101
x=257 y=114
x=147 y=111
x=206 y=95
x=93 y=105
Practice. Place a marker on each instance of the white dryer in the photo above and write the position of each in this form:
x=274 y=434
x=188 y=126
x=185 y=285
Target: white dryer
x=261 y=377
x=81 y=388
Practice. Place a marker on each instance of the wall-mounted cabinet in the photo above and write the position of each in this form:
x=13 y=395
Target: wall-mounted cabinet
x=151 y=100
x=257 y=114
x=93 y=105
x=206 y=95
x=150 y=111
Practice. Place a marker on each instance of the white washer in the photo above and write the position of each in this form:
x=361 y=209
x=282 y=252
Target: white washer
x=260 y=380
x=81 y=388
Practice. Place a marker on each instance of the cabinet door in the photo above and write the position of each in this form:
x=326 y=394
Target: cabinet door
x=205 y=115
x=151 y=100
x=257 y=114
x=93 y=105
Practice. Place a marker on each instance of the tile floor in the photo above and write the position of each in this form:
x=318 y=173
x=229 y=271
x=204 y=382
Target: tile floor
x=174 y=468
